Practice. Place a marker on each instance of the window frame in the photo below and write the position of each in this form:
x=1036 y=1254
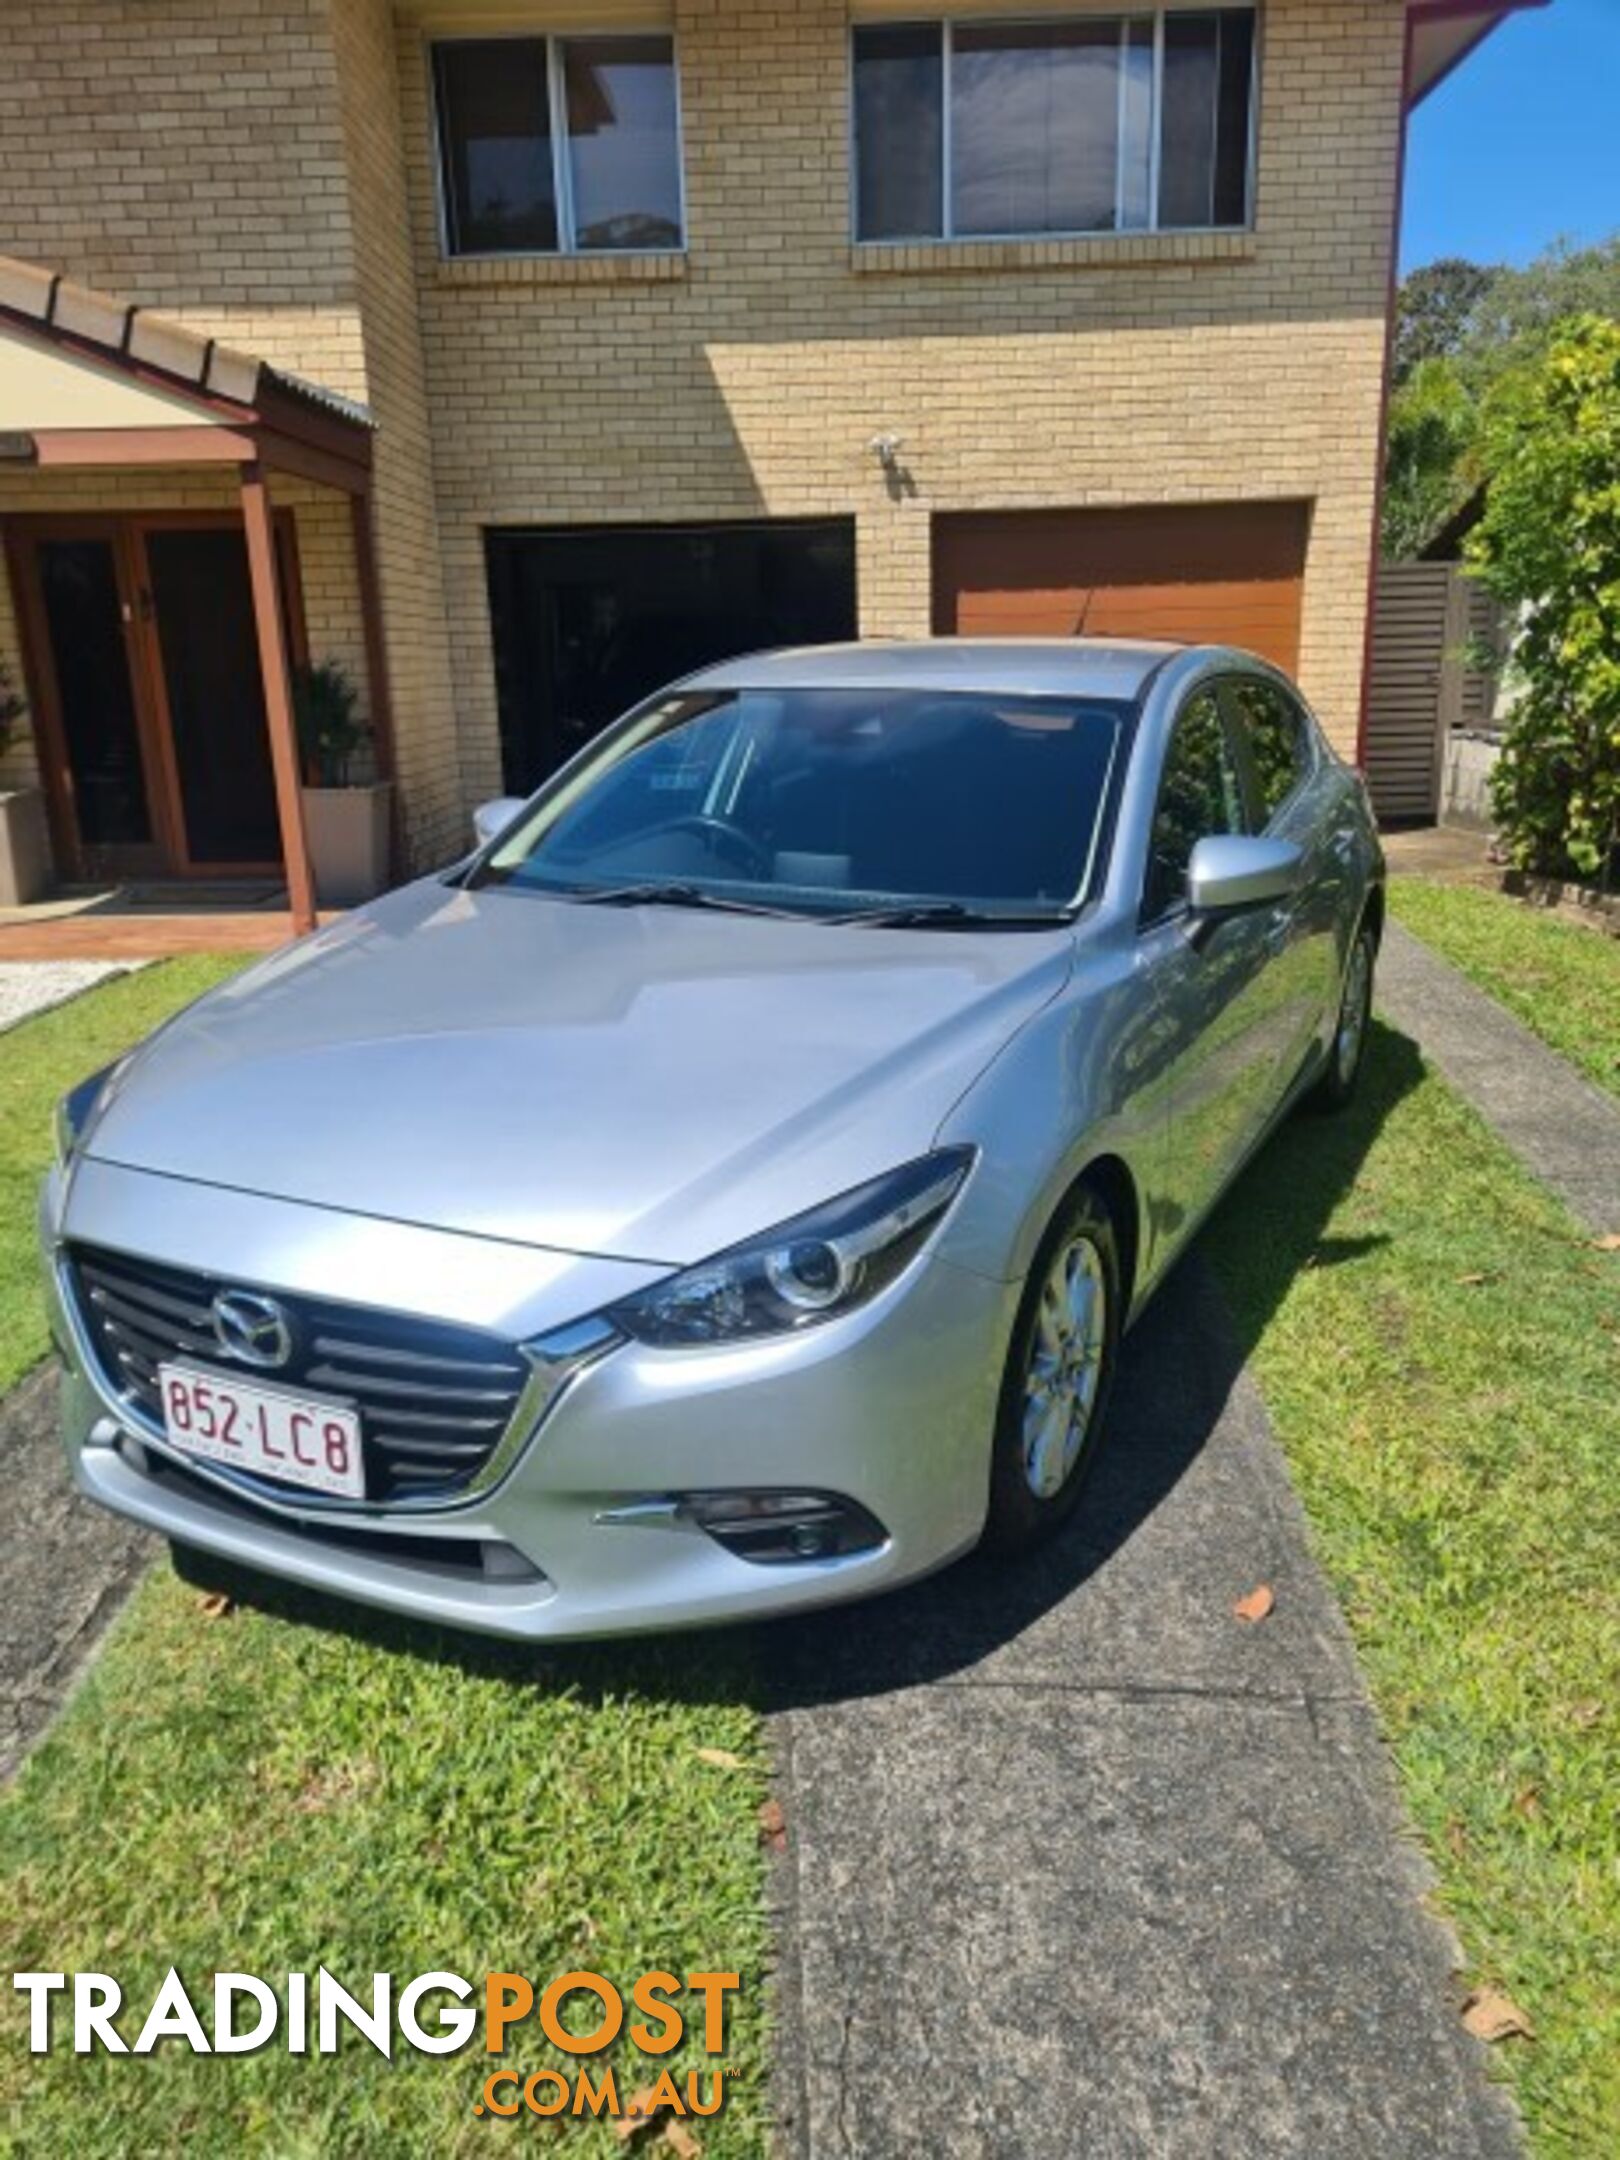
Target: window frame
x=948 y=25
x=1214 y=687
x=562 y=179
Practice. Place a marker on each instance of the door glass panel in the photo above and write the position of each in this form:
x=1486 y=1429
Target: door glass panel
x=1199 y=794
x=79 y=585
x=204 y=606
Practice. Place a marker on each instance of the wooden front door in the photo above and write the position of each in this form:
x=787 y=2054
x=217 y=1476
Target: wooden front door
x=142 y=657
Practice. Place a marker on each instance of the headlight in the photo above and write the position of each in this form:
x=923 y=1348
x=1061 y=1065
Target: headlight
x=812 y=1268
x=74 y=1111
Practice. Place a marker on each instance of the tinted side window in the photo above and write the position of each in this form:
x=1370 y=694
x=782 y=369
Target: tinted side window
x=1199 y=794
x=1278 y=736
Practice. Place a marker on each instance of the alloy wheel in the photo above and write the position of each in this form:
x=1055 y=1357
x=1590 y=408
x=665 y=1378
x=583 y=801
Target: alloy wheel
x=1064 y=1366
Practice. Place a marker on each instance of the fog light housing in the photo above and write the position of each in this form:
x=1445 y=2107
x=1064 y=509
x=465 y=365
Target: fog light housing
x=784 y=1529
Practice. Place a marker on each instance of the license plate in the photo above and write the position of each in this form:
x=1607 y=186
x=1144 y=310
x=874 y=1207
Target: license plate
x=296 y=1439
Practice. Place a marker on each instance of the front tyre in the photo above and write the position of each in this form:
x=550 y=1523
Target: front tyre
x=1349 y=1046
x=1060 y=1369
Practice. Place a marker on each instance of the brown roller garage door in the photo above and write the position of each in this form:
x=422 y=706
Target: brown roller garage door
x=1228 y=574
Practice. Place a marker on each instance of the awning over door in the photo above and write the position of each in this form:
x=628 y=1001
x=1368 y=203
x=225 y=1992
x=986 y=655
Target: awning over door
x=90 y=382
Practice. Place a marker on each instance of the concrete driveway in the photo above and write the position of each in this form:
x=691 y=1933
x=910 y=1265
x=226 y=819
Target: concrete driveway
x=1082 y=1864
x=1079 y=1863
x=65 y=1569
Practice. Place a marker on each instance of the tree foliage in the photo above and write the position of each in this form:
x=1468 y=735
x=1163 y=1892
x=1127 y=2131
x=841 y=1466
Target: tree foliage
x=1548 y=546
x=1518 y=315
x=1435 y=312
x=1461 y=328
x=1431 y=458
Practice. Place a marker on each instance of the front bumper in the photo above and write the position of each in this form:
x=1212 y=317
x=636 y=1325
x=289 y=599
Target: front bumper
x=892 y=1406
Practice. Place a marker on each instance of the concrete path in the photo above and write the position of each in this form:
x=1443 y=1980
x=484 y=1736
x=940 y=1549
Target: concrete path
x=1562 y=1128
x=1082 y=1865
x=1448 y=852
x=65 y=1568
x=34 y=986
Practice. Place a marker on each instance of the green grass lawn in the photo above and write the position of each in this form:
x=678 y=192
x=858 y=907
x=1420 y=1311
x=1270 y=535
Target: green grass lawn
x=1439 y=1347
x=40 y=1060
x=258 y=1793
x=1561 y=979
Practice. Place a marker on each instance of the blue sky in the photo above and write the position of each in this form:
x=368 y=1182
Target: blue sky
x=1522 y=144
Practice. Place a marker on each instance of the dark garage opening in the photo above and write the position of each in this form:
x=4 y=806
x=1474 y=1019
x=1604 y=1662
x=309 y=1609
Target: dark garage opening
x=588 y=621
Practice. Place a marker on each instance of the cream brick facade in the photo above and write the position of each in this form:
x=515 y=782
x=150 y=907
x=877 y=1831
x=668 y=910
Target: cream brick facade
x=237 y=165
x=263 y=169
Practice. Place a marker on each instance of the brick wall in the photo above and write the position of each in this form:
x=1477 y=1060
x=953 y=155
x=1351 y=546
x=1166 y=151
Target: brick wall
x=262 y=168
x=410 y=574
x=750 y=379
x=187 y=154
x=238 y=167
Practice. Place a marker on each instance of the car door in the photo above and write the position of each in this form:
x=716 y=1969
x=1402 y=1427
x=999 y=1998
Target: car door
x=1213 y=994
x=1281 y=754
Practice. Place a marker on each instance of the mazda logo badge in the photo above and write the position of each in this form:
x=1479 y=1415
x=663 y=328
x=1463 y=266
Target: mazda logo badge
x=252 y=1329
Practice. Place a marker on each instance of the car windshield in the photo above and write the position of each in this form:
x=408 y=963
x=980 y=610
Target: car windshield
x=910 y=804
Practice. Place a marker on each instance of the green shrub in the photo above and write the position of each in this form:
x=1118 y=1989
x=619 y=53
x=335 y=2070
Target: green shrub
x=1549 y=547
x=324 y=703
x=12 y=707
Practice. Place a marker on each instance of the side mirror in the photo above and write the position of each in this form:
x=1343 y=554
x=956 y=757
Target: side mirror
x=491 y=818
x=1233 y=872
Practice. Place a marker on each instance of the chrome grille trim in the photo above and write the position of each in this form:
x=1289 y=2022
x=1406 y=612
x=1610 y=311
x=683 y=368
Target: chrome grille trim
x=431 y=1443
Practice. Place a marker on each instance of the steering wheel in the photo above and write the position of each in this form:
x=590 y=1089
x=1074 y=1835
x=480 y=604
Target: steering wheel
x=729 y=841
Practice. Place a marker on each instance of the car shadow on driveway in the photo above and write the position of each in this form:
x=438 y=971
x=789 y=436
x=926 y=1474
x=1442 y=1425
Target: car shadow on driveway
x=1178 y=1371
x=1177 y=1374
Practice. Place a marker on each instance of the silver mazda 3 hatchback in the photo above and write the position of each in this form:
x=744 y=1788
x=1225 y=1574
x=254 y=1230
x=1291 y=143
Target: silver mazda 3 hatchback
x=724 y=1191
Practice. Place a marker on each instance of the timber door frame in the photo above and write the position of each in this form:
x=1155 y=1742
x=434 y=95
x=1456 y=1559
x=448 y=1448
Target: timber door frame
x=126 y=533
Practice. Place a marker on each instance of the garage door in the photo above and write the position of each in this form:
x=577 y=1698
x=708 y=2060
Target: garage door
x=588 y=620
x=1228 y=574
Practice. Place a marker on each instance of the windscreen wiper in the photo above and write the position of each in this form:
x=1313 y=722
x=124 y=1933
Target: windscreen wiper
x=652 y=894
x=948 y=914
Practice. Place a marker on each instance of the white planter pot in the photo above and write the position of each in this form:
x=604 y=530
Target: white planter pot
x=25 y=847
x=347 y=829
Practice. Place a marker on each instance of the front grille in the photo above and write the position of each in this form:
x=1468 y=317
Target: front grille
x=434 y=1399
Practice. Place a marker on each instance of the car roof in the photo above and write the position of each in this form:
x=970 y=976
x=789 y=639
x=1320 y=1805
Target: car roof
x=1029 y=667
